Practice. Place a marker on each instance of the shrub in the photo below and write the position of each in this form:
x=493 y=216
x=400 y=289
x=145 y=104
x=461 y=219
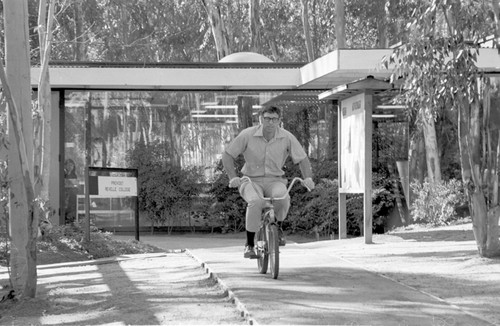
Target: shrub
x=325 y=169
x=164 y=189
x=228 y=205
x=435 y=202
x=320 y=211
x=315 y=211
x=383 y=198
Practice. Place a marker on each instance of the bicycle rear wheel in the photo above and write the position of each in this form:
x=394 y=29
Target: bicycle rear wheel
x=273 y=249
x=262 y=251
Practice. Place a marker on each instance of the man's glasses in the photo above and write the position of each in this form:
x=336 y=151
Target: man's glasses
x=269 y=119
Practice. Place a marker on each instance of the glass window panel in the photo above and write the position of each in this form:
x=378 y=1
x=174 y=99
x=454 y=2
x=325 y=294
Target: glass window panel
x=193 y=127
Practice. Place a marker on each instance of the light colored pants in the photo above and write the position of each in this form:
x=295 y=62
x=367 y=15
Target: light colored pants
x=267 y=187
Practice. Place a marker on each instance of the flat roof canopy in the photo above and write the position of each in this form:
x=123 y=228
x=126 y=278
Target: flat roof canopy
x=344 y=66
x=172 y=77
x=337 y=68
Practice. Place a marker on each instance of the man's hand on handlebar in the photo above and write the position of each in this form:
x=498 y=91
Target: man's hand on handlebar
x=309 y=183
x=235 y=182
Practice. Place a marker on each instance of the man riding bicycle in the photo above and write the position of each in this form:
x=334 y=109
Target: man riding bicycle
x=265 y=148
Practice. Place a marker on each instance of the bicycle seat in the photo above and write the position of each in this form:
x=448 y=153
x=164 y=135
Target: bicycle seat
x=268 y=205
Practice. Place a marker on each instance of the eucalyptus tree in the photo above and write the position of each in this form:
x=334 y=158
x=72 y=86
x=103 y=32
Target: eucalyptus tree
x=307 y=30
x=438 y=65
x=218 y=26
x=76 y=30
x=130 y=30
x=282 y=30
x=340 y=23
x=17 y=90
x=255 y=26
x=44 y=117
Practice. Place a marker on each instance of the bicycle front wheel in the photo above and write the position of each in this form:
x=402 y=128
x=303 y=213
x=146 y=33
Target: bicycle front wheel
x=273 y=249
x=262 y=251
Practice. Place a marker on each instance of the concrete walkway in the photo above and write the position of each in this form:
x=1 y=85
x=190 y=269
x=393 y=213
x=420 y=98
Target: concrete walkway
x=315 y=287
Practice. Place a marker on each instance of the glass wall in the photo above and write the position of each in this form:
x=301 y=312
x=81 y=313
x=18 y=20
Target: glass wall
x=192 y=126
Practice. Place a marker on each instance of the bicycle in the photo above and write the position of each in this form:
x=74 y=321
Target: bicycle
x=267 y=238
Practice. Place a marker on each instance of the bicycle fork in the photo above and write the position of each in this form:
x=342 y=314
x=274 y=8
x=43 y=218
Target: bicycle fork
x=268 y=218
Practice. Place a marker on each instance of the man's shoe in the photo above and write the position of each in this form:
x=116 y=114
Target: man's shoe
x=281 y=237
x=249 y=252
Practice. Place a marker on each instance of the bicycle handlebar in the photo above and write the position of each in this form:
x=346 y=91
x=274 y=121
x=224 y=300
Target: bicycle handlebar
x=247 y=179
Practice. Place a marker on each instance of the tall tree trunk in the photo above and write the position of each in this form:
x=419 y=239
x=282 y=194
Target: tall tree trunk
x=271 y=42
x=307 y=129
x=417 y=161
x=219 y=31
x=431 y=150
x=331 y=152
x=340 y=24
x=307 y=30
x=17 y=84
x=496 y=13
x=78 y=43
x=255 y=34
x=382 y=21
x=45 y=20
x=174 y=133
x=484 y=222
x=125 y=36
x=42 y=140
x=397 y=193
x=491 y=134
x=244 y=112
x=151 y=114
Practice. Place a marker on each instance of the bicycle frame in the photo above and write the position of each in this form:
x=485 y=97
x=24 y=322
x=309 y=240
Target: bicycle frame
x=267 y=244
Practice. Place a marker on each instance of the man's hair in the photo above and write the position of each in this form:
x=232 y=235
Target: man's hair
x=271 y=109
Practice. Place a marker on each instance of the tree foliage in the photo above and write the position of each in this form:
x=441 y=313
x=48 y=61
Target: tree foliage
x=179 y=31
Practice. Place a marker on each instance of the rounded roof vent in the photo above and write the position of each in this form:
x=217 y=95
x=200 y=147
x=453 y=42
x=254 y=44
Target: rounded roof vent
x=245 y=57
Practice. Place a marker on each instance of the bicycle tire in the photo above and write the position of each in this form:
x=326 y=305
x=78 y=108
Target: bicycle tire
x=273 y=249
x=262 y=252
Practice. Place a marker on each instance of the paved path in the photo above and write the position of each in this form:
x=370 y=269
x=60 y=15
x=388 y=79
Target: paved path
x=315 y=287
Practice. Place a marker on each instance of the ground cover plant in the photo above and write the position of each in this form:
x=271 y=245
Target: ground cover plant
x=66 y=243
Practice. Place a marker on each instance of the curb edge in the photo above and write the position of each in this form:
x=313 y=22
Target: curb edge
x=239 y=305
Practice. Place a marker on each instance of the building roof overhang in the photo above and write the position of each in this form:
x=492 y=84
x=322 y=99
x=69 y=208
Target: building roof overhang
x=334 y=69
x=337 y=68
x=173 y=77
x=344 y=66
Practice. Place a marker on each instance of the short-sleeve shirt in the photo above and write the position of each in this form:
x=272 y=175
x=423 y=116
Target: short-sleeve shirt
x=262 y=157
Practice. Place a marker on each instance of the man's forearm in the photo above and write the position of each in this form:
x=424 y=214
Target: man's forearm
x=305 y=168
x=228 y=163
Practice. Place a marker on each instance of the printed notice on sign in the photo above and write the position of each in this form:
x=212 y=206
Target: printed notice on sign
x=117 y=186
x=352 y=155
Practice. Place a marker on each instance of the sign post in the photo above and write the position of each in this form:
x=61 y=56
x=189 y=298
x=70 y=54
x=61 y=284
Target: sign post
x=355 y=139
x=355 y=130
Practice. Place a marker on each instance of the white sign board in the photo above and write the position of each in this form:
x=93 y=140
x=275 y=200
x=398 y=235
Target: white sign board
x=117 y=186
x=353 y=144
